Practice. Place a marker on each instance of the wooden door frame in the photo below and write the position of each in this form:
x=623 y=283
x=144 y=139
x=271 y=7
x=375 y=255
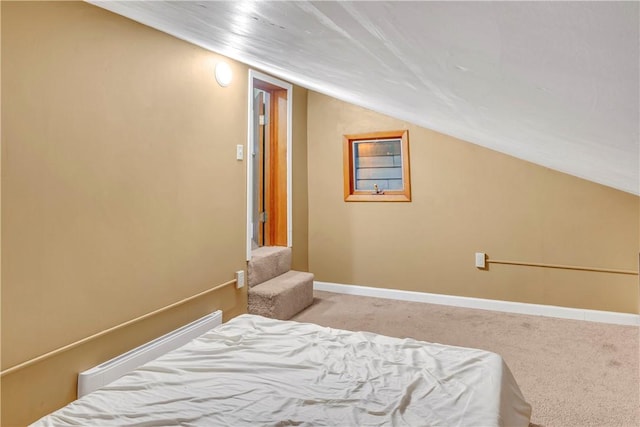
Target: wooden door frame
x=273 y=84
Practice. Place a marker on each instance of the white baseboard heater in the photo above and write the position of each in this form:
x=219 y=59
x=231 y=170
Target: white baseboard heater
x=101 y=375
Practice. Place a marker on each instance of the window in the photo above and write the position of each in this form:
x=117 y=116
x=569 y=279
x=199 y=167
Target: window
x=376 y=167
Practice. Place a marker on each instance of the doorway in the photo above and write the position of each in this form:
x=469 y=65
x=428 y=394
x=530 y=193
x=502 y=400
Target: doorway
x=269 y=162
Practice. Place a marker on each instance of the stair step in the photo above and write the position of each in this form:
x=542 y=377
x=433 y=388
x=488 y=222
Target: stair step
x=283 y=296
x=268 y=262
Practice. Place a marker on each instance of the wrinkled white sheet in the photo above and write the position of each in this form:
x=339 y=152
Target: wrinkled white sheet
x=258 y=371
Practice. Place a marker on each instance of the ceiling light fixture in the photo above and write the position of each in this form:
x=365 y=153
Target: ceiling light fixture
x=223 y=74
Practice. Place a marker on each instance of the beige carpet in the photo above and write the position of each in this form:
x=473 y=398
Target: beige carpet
x=573 y=373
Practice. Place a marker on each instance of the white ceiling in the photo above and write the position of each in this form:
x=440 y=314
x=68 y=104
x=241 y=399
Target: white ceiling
x=554 y=83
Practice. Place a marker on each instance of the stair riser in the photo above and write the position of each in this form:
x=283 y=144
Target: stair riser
x=284 y=304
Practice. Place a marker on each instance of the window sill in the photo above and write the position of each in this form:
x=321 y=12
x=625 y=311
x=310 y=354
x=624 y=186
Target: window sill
x=377 y=198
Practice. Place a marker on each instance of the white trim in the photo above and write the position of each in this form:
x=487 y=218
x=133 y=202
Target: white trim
x=483 y=304
x=249 y=157
x=289 y=88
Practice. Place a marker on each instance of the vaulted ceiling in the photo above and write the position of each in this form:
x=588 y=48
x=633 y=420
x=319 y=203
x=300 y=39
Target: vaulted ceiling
x=554 y=83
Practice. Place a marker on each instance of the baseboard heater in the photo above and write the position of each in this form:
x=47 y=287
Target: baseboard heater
x=101 y=375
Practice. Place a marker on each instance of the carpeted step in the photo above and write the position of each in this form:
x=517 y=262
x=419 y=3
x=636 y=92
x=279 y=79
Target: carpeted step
x=282 y=297
x=268 y=262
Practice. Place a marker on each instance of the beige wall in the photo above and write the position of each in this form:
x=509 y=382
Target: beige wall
x=467 y=199
x=121 y=190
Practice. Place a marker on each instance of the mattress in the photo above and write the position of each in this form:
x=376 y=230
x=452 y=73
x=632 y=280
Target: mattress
x=258 y=371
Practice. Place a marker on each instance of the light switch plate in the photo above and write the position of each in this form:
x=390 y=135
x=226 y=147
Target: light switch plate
x=239 y=152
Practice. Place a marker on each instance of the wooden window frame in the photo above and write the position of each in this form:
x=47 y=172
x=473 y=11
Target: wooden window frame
x=353 y=195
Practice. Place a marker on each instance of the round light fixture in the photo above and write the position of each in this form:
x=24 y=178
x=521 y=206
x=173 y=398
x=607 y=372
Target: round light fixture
x=223 y=74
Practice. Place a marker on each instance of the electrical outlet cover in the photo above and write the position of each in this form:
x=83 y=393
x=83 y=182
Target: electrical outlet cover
x=480 y=260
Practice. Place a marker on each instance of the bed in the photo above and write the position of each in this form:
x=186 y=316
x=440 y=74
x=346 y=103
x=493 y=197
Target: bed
x=258 y=371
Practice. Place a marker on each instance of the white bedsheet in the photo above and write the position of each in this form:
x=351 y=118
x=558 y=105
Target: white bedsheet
x=258 y=371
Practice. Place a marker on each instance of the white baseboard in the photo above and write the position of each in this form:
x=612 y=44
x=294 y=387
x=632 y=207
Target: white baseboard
x=484 y=304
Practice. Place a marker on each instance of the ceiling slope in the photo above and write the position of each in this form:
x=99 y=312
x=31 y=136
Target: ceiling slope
x=554 y=83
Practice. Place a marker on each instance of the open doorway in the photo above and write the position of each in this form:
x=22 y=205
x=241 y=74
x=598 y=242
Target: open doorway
x=269 y=162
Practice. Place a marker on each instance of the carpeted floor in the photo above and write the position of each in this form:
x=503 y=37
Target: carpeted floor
x=573 y=373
